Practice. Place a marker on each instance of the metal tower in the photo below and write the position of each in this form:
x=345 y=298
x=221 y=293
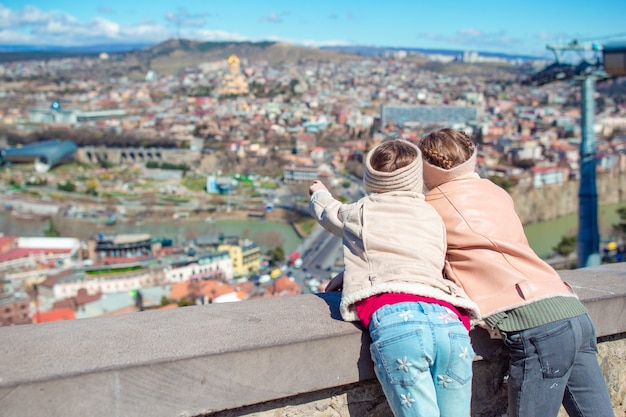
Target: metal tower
x=606 y=60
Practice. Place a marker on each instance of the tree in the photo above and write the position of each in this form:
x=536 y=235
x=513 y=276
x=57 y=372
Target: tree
x=501 y=182
x=92 y=186
x=620 y=228
x=566 y=246
x=269 y=239
x=185 y=302
x=52 y=230
x=276 y=255
x=524 y=163
x=480 y=137
x=67 y=186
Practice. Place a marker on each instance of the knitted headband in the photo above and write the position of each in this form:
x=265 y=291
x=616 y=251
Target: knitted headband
x=435 y=176
x=408 y=178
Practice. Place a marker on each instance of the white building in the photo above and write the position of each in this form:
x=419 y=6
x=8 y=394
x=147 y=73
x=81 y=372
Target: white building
x=216 y=265
x=31 y=252
x=100 y=279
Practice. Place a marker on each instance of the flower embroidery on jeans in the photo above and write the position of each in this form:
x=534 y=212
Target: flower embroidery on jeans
x=406 y=399
x=464 y=353
x=443 y=380
x=447 y=317
x=406 y=315
x=404 y=364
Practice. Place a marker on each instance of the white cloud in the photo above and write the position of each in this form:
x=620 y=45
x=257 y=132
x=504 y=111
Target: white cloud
x=308 y=42
x=545 y=36
x=9 y=37
x=218 y=35
x=106 y=9
x=471 y=32
x=36 y=27
x=30 y=15
x=473 y=38
x=271 y=18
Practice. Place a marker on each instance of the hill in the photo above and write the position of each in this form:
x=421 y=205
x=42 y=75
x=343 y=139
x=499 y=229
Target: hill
x=171 y=56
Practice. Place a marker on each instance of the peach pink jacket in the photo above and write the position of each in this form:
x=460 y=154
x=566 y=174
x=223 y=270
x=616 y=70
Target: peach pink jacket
x=488 y=254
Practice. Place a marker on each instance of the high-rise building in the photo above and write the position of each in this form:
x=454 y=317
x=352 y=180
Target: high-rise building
x=400 y=115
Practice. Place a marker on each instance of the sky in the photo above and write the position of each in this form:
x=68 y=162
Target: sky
x=516 y=27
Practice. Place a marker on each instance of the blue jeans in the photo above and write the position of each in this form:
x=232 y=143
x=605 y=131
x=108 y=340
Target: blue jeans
x=423 y=359
x=553 y=364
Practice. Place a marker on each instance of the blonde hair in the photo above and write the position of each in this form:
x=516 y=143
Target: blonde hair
x=446 y=148
x=392 y=155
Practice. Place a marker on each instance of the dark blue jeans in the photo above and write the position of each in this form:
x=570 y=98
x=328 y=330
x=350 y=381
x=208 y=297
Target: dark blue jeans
x=553 y=364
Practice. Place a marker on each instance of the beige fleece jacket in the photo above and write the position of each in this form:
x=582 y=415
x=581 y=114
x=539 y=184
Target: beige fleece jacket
x=392 y=242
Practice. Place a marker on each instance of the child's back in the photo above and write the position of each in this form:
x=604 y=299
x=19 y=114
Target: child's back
x=546 y=329
x=394 y=247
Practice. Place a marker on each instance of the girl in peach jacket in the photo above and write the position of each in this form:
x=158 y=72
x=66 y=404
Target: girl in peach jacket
x=549 y=335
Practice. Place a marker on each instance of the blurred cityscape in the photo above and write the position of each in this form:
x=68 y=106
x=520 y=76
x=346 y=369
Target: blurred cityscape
x=93 y=146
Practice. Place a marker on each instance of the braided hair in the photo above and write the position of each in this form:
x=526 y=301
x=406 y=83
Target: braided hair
x=446 y=148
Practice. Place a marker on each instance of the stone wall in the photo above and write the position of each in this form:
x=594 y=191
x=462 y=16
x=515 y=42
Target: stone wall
x=547 y=203
x=279 y=357
x=366 y=399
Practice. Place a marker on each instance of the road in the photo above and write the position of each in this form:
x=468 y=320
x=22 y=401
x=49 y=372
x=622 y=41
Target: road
x=319 y=252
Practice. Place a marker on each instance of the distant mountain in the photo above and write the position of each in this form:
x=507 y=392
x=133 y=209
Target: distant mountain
x=10 y=53
x=198 y=46
x=171 y=56
x=109 y=48
x=379 y=50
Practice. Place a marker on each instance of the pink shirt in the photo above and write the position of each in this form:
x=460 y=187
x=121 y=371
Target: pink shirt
x=366 y=308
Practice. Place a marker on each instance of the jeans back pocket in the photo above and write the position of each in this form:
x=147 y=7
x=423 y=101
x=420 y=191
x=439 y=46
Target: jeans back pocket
x=461 y=358
x=556 y=350
x=402 y=357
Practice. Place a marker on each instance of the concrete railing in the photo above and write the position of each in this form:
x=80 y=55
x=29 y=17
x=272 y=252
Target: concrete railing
x=288 y=356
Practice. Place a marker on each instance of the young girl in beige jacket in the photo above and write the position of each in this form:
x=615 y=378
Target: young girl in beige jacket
x=394 y=247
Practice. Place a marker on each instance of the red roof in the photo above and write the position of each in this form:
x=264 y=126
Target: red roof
x=52 y=278
x=544 y=170
x=7 y=242
x=81 y=298
x=54 y=315
x=285 y=286
x=18 y=253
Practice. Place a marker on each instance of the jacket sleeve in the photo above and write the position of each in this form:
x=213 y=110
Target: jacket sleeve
x=327 y=211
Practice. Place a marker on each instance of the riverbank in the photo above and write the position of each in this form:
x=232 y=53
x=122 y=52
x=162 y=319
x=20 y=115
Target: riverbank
x=543 y=236
x=287 y=225
x=550 y=202
x=268 y=233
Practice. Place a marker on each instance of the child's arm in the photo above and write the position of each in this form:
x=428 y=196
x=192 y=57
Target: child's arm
x=335 y=284
x=325 y=209
x=317 y=185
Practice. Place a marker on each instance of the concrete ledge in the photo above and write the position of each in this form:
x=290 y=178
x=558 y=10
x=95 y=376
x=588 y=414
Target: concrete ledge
x=200 y=360
x=603 y=290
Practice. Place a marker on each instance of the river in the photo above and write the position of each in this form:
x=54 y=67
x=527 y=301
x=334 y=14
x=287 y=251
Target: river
x=542 y=236
x=266 y=233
